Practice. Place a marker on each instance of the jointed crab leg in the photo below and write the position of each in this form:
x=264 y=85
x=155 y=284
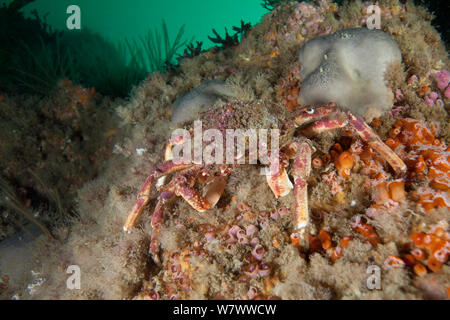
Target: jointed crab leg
x=368 y=135
x=168 y=153
x=182 y=185
x=157 y=218
x=328 y=118
x=324 y=125
x=300 y=172
x=145 y=193
x=278 y=179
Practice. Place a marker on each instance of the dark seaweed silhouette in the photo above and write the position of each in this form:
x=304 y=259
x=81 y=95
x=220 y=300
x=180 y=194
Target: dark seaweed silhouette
x=228 y=41
x=33 y=57
x=17 y=32
x=243 y=29
x=271 y=4
x=191 y=51
x=231 y=40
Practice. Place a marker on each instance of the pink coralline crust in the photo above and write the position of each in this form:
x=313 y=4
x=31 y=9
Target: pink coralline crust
x=234 y=230
x=252 y=293
x=305 y=10
x=264 y=270
x=243 y=240
x=254 y=242
x=307 y=17
x=442 y=79
x=413 y=79
x=428 y=101
x=210 y=236
x=432 y=99
x=330 y=178
x=439 y=103
x=397 y=110
x=399 y=96
x=251 y=230
x=433 y=96
x=447 y=93
x=274 y=215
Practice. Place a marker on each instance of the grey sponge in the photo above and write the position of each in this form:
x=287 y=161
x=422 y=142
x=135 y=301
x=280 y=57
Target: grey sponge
x=348 y=68
x=203 y=97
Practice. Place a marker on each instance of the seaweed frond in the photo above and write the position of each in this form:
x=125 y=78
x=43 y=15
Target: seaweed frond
x=10 y=200
x=16 y=5
x=159 y=51
x=38 y=69
x=243 y=29
x=191 y=51
x=231 y=40
x=228 y=41
x=270 y=4
x=52 y=193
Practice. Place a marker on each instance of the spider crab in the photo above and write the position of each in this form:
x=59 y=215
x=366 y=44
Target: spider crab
x=245 y=115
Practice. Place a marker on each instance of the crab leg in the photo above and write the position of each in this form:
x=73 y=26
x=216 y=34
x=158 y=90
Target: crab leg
x=324 y=125
x=300 y=172
x=168 y=153
x=278 y=180
x=327 y=123
x=182 y=185
x=145 y=193
x=157 y=218
x=197 y=201
x=368 y=135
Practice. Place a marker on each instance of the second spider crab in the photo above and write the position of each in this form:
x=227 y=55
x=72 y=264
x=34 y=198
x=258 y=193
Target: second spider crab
x=255 y=115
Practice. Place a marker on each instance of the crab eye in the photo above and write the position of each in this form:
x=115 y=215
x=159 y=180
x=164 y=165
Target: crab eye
x=310 y=111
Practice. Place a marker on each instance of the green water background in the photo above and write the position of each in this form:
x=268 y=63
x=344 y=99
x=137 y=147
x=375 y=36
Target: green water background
x=36 y=64
x=117 y=20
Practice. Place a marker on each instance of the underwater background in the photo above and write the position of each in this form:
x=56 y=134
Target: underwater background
x=120 y=19
x=114 y=27
x=85 y=114
x=126 y=32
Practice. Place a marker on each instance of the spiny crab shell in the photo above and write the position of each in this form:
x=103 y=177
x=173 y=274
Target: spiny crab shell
x=247 y=115
x=250 y=115
x=256 y=114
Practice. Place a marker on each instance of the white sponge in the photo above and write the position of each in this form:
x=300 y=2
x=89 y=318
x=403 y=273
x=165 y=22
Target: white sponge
x=348 y=68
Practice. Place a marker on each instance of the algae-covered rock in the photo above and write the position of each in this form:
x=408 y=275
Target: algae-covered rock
x=188 y=106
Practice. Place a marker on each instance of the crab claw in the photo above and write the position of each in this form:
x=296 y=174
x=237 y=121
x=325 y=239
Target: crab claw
x=168 y=153
x=201 y=203
x=215 y=189
x=278 y=180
